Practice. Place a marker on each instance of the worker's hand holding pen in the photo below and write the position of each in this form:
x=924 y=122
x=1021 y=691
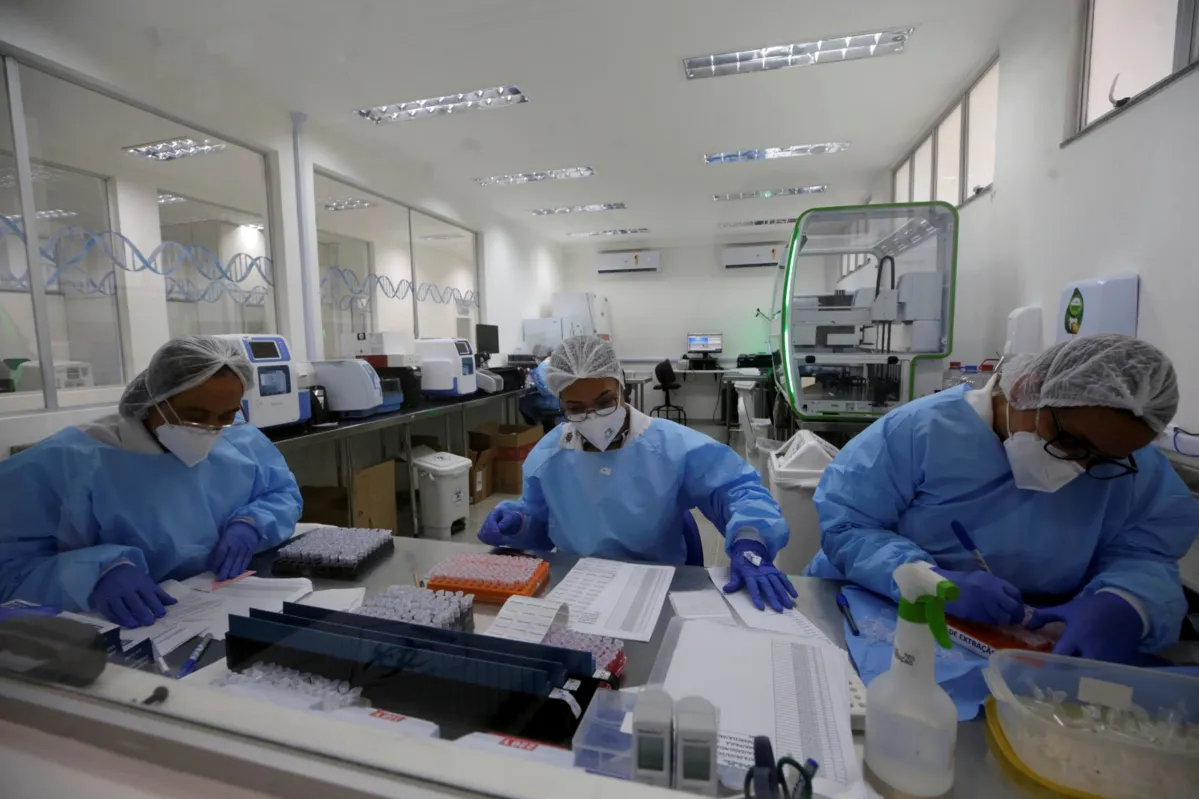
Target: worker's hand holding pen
x=982 y=596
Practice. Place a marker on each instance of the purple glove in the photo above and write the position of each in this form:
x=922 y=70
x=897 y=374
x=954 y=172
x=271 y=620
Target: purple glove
x=751 y=568
x=1102 y=626
x=234 y=550
x=127 y=596
x=500 y=525
x=983 y=597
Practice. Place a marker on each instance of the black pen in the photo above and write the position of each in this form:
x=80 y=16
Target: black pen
x=843 y=603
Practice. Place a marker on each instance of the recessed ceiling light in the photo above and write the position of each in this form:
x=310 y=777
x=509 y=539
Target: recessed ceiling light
x=51 y=213
x=768 y=193
x=768 y=153
x=253 y=226
x=534 y=177
x=617 y=232
x=443 y=237
x=170 y=199
x=346 y=204
x=760 y=222
x=822 y=51
x=579 y=209
x=170 y=149
x=478 y=100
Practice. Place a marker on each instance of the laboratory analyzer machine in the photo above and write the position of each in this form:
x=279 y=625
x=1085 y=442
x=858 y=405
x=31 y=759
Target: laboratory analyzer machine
x=447 y=367
x=273 y=397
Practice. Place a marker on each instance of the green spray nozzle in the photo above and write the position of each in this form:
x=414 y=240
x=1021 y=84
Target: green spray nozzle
x=922 y=597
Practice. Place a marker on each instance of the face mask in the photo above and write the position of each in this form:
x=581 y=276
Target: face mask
x=601 y=431
x=1034 y=469
x=187 y=443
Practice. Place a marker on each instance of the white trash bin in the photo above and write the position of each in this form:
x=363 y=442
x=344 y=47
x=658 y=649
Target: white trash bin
x=795 y=470
x=443 y=479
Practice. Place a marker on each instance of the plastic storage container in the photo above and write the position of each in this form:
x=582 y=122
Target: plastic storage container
x=953 y=375
x=443 y=479
x=794 y=471
x=603 y=742
x=1086 y=728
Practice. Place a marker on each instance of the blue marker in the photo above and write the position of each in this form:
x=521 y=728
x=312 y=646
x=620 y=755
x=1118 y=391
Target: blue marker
x=189 y=665
x=843 y=604
x=968 y=543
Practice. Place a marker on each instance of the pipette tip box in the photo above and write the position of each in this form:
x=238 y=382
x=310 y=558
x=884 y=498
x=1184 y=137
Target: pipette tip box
x=339 y=553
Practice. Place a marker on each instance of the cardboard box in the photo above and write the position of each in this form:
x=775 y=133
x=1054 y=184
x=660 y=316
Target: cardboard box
x=482 y=474
x=509 y=477
x=374 y=500
x=512 y=442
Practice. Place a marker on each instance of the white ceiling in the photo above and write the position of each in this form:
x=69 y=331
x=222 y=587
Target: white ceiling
x=606 y=89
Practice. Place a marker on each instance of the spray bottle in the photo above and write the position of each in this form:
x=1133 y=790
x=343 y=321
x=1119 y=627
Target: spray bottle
x=911 y=723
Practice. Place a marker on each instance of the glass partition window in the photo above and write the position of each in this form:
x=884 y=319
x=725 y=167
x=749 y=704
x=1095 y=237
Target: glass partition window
x=949 y=157
x=1133 y=45
x=922 y=172
x=147 y=230
x=903 y=185
x=19 y=369
x=447 y=303
x=983 y=104
x=365 y=258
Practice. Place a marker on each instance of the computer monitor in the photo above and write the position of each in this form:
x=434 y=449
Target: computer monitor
x=705 y=342
x=487 y=339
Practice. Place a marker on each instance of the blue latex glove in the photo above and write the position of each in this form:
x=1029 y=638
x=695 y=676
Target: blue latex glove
x=500 y=524
x=234 y=550
x=1101 y=626
x=760 y=578
x=127 y=596
x=983 y=597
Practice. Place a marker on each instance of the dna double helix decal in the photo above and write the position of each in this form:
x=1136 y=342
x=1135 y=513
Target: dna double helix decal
x=65 y=253
x=343 y=289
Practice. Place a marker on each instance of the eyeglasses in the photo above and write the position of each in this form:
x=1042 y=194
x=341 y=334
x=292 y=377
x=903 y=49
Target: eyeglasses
x=176 y=419
x=577 y=412
x=1067 y=447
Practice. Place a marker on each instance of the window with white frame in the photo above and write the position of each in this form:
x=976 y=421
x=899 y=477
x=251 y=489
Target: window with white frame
x=962 y=140
x=1131 y=46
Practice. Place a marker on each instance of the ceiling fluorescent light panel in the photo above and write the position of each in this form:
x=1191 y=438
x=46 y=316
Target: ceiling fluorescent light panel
x=568 y=173
x=346 y=204
x=579 y=209
x=170 y=199
x=760 y=222
x=171 y=149
x=892 y=41
x=770 y=153
x=616 y=232
x=477 y=100
x=766 y=194
x=442 y=237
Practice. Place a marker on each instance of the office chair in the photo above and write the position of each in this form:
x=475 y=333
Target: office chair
x=695 y=544
x=667 y=382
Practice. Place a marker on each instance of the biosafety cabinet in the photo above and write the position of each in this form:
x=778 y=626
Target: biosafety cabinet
x=863 y=308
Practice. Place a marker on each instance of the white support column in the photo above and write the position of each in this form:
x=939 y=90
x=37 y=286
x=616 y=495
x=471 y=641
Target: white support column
x=141 y=294
x=309 y=273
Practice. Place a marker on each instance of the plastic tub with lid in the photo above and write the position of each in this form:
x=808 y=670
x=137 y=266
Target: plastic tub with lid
x=794 y=470
x=444 y=482
x=1091 y=729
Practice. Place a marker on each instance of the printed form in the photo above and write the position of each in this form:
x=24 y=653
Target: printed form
x=619 y=600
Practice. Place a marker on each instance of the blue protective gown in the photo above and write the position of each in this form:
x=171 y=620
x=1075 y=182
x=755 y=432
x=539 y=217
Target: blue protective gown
x=543 y=402
x=890 y=495
x=629 y=503
x=72 y=506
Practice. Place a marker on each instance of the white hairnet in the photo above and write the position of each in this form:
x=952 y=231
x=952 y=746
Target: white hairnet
x=541 y=351
x=180 y=364
x=581 y=357
x=1109 y=370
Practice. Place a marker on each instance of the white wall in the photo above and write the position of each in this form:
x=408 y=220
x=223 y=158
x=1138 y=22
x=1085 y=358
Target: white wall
x=520 y=277
x=446 y=269
x=1118 y=200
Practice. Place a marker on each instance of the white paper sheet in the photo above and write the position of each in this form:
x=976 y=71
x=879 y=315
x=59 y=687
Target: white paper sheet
x=700 y=605
x=191 y=615
x=621 y=600
x=344 y=599
x=778 y=685
x=263 y=593
x=789 y=622
x=529 y=619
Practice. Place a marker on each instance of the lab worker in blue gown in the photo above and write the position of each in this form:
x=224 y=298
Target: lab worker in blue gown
x=613 y=483
x=1050 y=472
x=92 y=518
x=540 y=408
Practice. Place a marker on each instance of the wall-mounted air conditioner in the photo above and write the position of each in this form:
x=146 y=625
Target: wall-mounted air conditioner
x=747 y=255
x=626 y=261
